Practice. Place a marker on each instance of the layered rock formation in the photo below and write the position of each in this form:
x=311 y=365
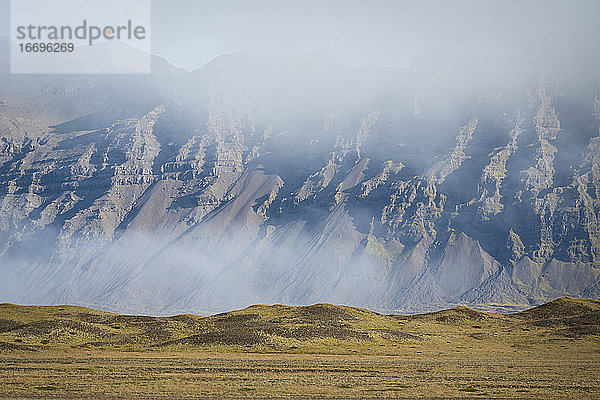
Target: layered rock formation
x=234 y=184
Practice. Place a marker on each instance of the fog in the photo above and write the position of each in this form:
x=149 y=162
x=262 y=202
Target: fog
x=358 y=33
x=376 y=154
x=190 y=33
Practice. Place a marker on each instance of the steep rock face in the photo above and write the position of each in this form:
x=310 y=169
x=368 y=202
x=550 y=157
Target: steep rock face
x=495 y=172
x=547 y=126
x=464 y=265
x=496 y=289
x=455 y=158
x=526 y=274
x=413 y=208
x=566 y=277
x=587 y=205
x=233 y=184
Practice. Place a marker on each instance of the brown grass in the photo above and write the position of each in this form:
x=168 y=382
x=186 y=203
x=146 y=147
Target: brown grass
x=320 y=351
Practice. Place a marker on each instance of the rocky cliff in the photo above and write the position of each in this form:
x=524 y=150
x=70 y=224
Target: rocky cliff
x=255 y=180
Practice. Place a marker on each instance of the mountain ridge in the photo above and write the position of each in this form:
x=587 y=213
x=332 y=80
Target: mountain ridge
x=273 y=182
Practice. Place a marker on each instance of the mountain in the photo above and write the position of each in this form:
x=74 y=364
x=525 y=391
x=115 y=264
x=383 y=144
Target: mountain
x=459 y=180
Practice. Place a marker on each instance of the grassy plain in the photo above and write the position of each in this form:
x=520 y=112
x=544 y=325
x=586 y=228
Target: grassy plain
x=320 y=351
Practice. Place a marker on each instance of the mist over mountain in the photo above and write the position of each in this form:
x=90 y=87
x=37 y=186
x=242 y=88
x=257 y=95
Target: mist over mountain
x=460 y=180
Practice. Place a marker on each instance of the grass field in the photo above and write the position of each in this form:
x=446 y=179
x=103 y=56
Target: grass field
x=320 y=351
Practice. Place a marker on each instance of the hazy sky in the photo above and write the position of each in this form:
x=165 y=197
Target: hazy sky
x=189 y=33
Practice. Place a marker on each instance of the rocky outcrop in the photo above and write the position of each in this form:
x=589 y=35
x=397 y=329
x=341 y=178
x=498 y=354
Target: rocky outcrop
x=547 y=126
x=219 y=193
x=413 y=209
x=345 y=150
x=140 y=151
x=587 y=184
x=453 y=160
x=495 y=172
x=389 y=168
